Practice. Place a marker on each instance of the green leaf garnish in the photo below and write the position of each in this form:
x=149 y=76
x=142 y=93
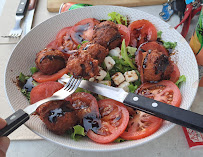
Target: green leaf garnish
x=119 y=140
x=159 y=33
x=170 y=45
x=117 y=18
x=33 y=70
x=181 y=79
x=132 y=88
x=79 y=132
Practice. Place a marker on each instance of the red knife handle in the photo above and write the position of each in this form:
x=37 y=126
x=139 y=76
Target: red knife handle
x=22 y=7
x=32 y=4
x=168 y=112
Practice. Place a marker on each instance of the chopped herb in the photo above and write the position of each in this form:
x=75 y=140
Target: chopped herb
x=33 y=70
x=117 y=18
x=181 y=79
x=79 y=131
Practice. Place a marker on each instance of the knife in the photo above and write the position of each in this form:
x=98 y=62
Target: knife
x=30 y=15
x=162 y=110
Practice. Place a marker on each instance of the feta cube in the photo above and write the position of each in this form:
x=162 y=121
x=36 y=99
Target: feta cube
x=115 y=52
x=102 y=74
x=109 y=62
x=124 y=85
x=106 y=82
x=118 y=78
x=131 y=76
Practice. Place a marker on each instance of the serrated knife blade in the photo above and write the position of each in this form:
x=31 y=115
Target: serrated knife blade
x=159 y=109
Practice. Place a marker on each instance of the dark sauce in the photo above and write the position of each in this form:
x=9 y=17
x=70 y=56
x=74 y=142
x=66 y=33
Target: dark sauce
x=58 y=112
x=92 y=122
x=145 y=61
x=28 y=85
x=161 y=64
x=52 y=57
x=117 y=36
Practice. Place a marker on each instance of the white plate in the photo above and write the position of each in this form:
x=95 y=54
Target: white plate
x=23 y=58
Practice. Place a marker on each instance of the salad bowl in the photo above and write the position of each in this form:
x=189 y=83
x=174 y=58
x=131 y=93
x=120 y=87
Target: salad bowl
x=23 y=57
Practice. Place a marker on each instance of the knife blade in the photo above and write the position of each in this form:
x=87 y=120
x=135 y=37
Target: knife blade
x=162 y=110
x=30 y=15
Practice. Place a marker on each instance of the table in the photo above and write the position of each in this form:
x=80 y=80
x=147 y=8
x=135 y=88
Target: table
x=173 y=143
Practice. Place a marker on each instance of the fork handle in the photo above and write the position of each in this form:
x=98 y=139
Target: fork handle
x=22 y=7
x=14 y=121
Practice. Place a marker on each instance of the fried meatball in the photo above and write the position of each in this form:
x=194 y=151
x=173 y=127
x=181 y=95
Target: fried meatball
x=107 y=35
x=58 y=116
x=50 y=61
x=156 y=66
x=97 y=51
x=83 y=65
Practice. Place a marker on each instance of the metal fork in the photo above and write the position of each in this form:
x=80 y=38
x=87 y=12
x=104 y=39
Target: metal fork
x=21 y=116
x=20 y=13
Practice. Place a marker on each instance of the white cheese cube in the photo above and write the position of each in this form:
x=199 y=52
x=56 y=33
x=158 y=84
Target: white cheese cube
x=130 y=76
x=101 y=75
x=118 y=78
x=115 y=52
x=109 y=62
x=106 y=82
x=124 y=85
x=91 y=79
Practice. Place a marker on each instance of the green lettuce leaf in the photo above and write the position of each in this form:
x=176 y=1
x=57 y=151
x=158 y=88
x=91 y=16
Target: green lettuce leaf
x=33 y=70
x=132 y=88
x=170 y=45
x=181 y=79
x=117 y=18
x=119 y=140
x=78 y=133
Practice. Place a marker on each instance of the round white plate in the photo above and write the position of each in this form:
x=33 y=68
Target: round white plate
x=23 y=57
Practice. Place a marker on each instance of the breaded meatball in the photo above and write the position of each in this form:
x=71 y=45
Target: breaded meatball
x=97 y=51
x=58 y=116
x=83 y=65
x=156 y=66
x=107 y=35
x=50 y=61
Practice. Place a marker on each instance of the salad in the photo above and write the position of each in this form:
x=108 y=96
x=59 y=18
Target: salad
x=115 y=52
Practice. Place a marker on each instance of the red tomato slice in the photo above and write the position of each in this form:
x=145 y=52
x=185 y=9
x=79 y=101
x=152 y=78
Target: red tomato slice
x=142 y=52
x=125 y=33
x=175 y=74
x=83 y=30
x=142 y=31
x=141 y=125
x=114 y=120
x=44 y=90
x=164 y=91
x=66 y=6
x=40 y=77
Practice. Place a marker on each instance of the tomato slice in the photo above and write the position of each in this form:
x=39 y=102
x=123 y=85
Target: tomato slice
x=164 y=91
x=125 y=33
x=40 y=77
x=66 y=6
x=44 y=90
x=114 y=120
x=83 y=30
x=175 y=74
x=141 y=125
x=142 y=31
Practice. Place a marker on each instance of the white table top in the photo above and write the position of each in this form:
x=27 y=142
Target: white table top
x=173 y=143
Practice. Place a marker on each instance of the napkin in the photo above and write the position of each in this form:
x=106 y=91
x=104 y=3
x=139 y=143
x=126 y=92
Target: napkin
x=7 y=19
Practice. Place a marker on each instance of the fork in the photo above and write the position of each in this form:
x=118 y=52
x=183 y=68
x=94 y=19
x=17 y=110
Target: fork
x=21 y=116
x=20 y=13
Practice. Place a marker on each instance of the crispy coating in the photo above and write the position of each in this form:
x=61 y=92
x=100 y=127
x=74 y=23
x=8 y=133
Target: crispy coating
x=58 y=116
x=97 y=51
x=50 y=61
x=107 y=35
x=81 y=64
x=157 y=66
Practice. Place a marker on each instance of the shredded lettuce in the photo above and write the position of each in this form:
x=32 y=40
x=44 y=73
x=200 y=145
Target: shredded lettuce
x=132 y=88
x=131 y=50
x=181 y=79
x=159 y=33
x=107 y=77
x=81 y=90
x=79 y=132
x=170 y=45
x=118 y=18
x=125 y=56
x=23 y=78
